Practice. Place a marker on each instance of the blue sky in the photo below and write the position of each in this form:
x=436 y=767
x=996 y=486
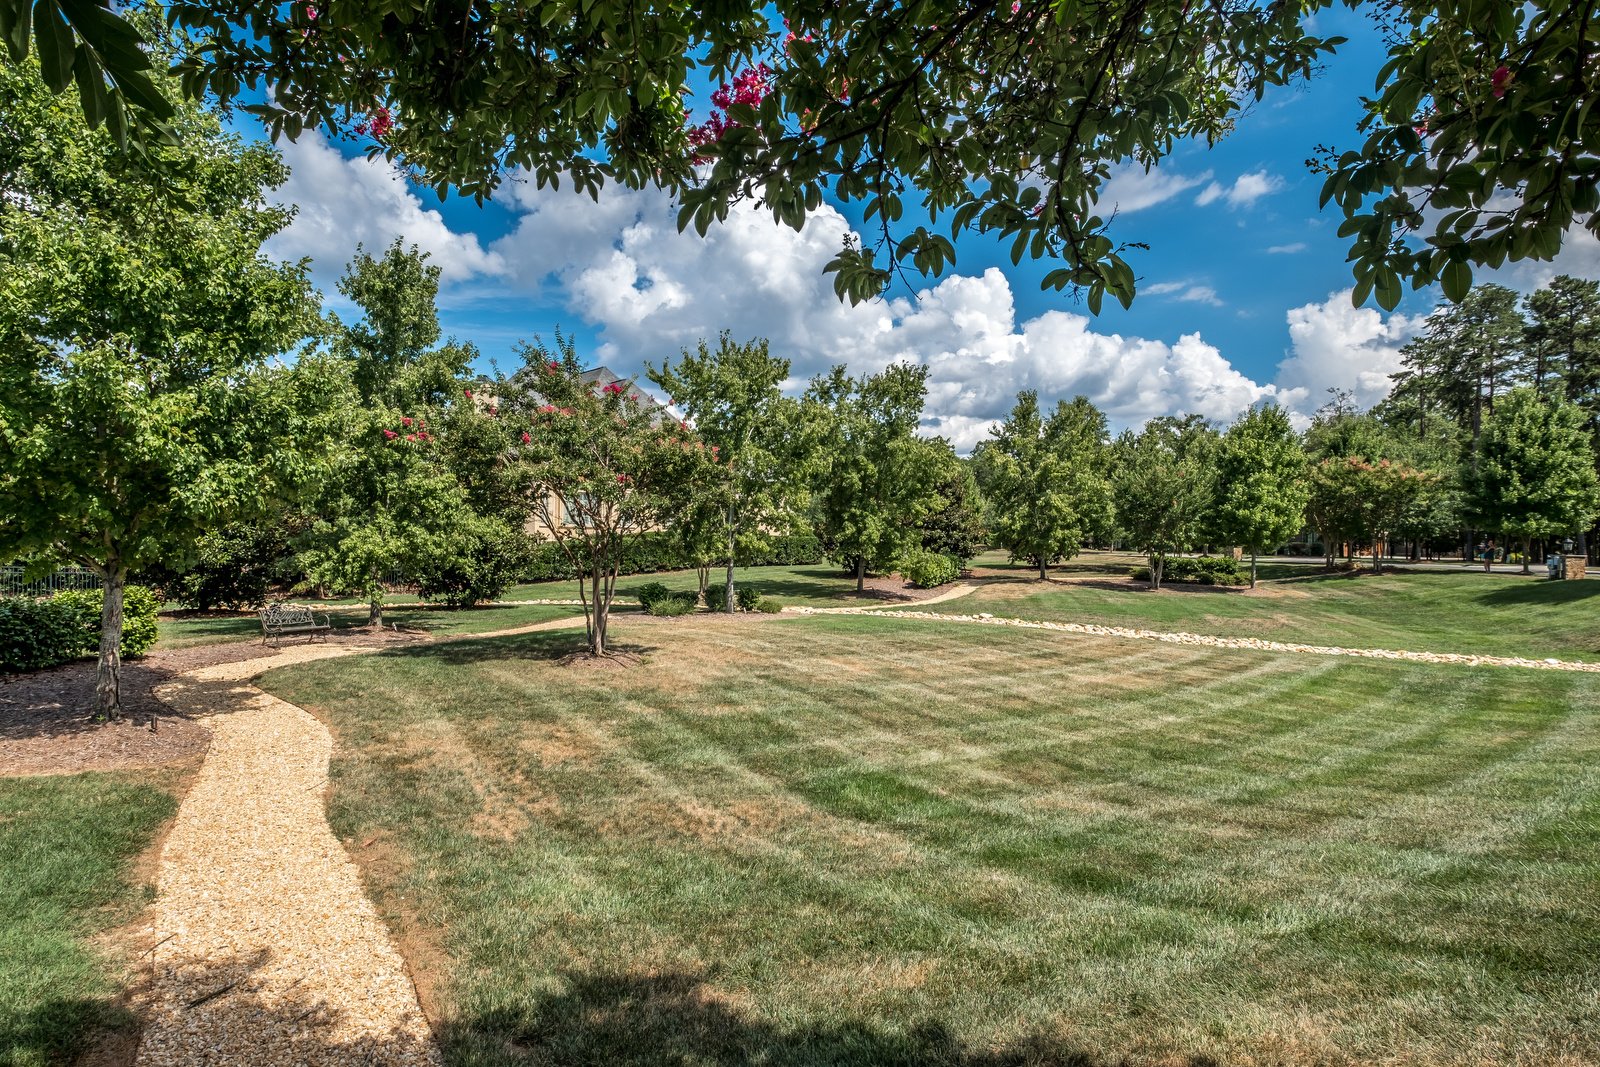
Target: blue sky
x=1242 y=293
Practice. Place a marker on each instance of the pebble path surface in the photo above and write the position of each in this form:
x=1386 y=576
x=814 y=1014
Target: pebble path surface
x=266 y=949
x=1255 y=644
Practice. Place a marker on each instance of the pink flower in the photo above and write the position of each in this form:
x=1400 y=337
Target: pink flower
x=390 y=434
x=1500 y=79
x=468 y=392
x=621 y=478
x=553 y=365
x=527 y=438
x=494 y=409
x=1016 y=5
x=405 y=420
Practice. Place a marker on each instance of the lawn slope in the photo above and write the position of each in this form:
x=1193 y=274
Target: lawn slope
x=854 y=841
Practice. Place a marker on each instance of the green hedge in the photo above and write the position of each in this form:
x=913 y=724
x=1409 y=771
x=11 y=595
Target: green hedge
x=926 y=569
x=1202 y=570
x=35 y=634
x=655 y=552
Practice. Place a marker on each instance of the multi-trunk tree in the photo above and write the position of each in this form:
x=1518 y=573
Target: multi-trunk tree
x=138 y=407
x=599 y=467
x=1049 y=480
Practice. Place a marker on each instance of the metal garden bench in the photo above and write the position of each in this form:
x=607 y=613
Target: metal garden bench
x=288 y=620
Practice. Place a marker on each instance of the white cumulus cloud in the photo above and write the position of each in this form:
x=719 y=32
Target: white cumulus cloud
x=1133 y=188
x=1337 y=346
x=345 y=202
x=1245 y=190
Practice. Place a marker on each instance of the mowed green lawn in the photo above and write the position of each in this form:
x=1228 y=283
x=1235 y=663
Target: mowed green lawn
x=1433 y=611
x=847 y=840
x=186 y=632
x=66 y=846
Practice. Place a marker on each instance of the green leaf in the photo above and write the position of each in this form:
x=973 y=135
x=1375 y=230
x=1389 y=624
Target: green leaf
x=56 y=45
x=1456 y=280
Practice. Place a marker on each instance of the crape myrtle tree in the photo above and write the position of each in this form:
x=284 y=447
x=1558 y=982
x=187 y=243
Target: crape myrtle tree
x=1163 y=485
x=391 y=503
x=1261 y=488
x=1534 y=476
x=1360 y=502
x=733 y=398
x=1006 y=118
x=876 y=479
x=139 y=407
x=1049 y=480
x=599 y=467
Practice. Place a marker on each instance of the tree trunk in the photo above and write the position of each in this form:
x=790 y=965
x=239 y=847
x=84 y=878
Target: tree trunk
x=108 y=673
x=1252 y=570
x=1527 y=554
x=861 y=575
x=375 y=603
x=1377 y=555
x=1156 y=563
x=704 y=574
x=1044 y=570
x=602 y=612
x=729 y=606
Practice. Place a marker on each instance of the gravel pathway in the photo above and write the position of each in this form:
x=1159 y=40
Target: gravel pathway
x=1250 y=643
x=266 y=949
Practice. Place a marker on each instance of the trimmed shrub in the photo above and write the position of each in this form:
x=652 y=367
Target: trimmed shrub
x=1203 y=570
x=672 y=605
x=650 y=592
x=925 y=569
x=35 y=634
x=769 y=605
x=746 y=598
x=717 y=596
x=233 y=567
x=473 y=568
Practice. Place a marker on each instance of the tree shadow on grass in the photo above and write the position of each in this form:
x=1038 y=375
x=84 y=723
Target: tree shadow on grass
x=1543 y=592
x=547 y=646
x=676 y=1018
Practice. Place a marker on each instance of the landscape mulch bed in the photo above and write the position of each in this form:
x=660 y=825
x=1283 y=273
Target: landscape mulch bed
x=48 y=725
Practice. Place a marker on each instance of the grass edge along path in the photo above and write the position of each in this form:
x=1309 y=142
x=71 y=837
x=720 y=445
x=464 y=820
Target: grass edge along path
x=68 y=851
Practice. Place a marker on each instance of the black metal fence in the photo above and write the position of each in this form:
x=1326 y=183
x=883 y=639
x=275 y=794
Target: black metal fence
x=14 y=582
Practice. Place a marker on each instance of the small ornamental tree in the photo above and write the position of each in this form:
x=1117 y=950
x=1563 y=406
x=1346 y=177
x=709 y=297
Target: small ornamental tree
x=733 y=398
x=1163 y=487
x=393 y=504
x=876 y=479
x=1363 y=503
x=1049 y=485
x=1534 y=475
x=1262 y=488
x=599 y=467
